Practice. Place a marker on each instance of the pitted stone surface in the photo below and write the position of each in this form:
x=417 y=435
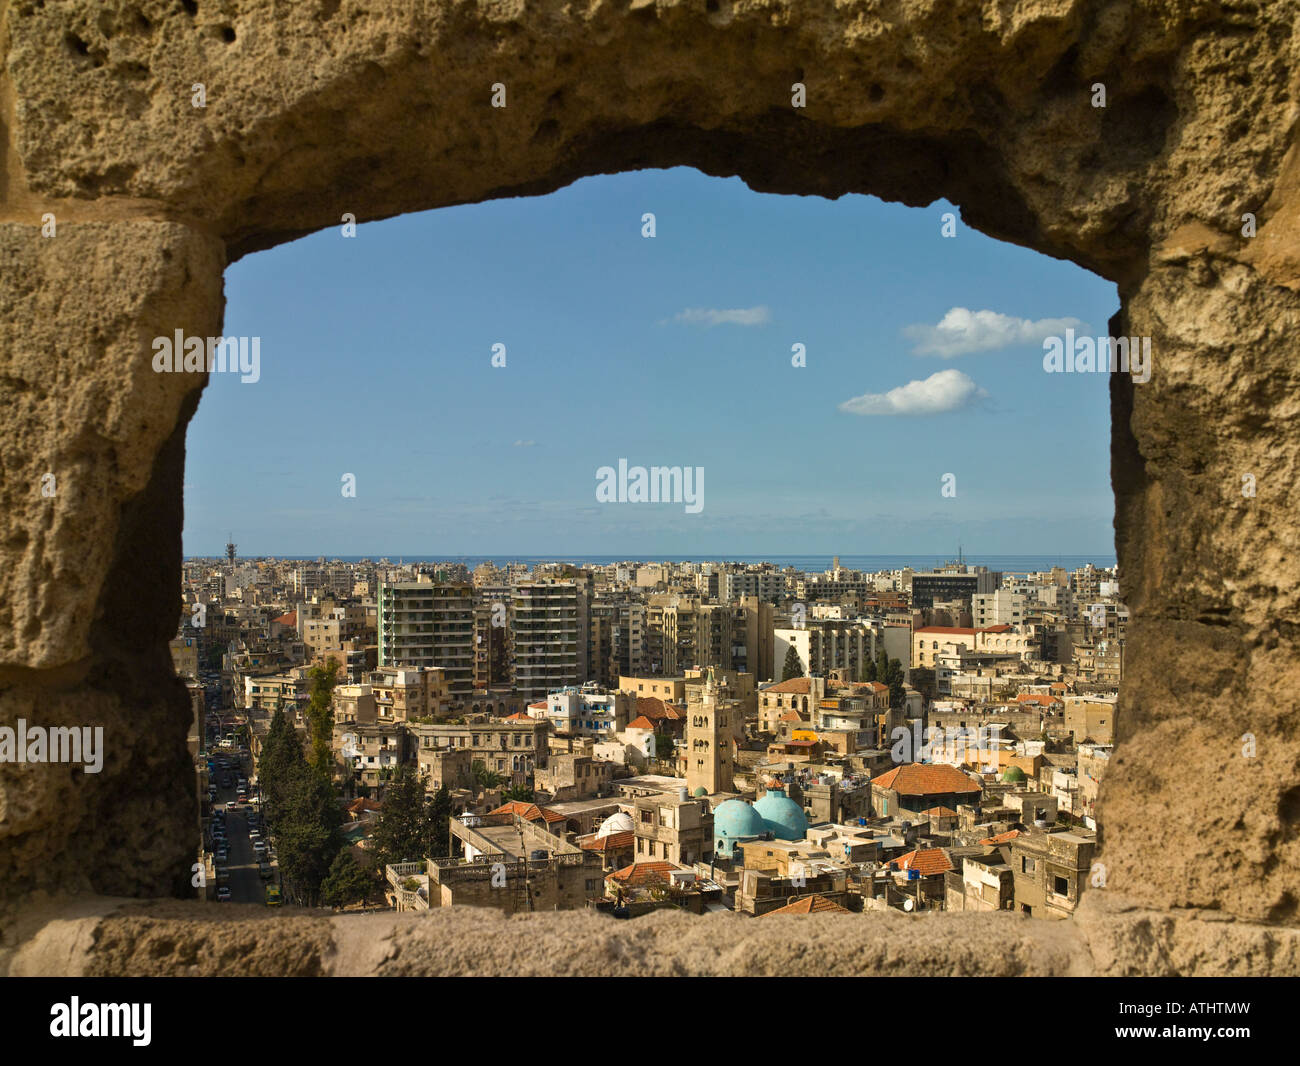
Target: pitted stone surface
x=1109 y=937
x=330 y=106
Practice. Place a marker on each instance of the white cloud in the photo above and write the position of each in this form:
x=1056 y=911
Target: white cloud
x=524 y=443
x=961 y=331
x=947 y=390
x=741 y=316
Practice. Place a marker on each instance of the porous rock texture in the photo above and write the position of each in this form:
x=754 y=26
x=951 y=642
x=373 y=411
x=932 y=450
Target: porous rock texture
x=315 y=108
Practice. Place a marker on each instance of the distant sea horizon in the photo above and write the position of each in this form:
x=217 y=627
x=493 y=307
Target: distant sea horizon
x=812 y=563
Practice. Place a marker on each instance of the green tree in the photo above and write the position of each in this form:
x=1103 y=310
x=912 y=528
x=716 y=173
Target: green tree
x=320 y=716
x=486 y=778
x=867 y=672
x=665 y=745
x=440 y=815
x=522 y=793
x=882 y=665
x=893 y=677
x=405 y=829
x=347 y=882
x=279 y=760
x=307 y=833
x=793 y=665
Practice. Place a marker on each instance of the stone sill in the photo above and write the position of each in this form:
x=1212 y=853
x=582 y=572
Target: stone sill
x=102 y=937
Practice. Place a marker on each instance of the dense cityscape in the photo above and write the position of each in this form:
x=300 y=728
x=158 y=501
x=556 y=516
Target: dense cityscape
x=633 y=736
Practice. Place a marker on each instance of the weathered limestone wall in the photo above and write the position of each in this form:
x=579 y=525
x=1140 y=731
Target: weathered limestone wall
x=319 y=107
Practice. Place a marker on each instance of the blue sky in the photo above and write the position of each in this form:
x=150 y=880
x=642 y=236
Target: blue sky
x=672 y=351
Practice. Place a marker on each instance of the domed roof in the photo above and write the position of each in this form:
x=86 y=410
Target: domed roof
x=736 y=820
x=783 y=816
x=700 y=790
x=1013 y=773
x=619 y=822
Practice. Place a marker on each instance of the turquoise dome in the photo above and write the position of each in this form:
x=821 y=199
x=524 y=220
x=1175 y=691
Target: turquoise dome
x=735 y=821
x=783 y=817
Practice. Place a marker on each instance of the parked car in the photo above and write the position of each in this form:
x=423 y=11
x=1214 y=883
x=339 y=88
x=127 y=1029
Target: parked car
x=223 y=894
x=259 y=847
x=264 y=868
x=273 y=896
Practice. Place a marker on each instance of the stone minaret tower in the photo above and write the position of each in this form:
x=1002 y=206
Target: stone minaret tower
x=709 y=739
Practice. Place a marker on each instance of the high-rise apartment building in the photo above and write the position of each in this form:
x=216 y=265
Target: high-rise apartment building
x=828 y=644
x=682 y=632
x=423 y=623
x=549 y=635
x=1001 y=608
x=492 y=645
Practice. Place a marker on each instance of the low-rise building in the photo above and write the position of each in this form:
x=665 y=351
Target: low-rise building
x=1051 y=870
x=678 y=828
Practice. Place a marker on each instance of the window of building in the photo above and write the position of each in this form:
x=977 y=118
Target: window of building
x=1061 y=886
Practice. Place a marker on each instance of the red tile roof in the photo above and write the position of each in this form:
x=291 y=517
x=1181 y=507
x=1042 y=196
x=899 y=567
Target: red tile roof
x=611 y=842
x=529 y=812
x=928 y=861
x=640 y=722
x=643 y=873
x=795 y=684
x=1034 y=697
x=941 y=812
x=290 y=619
x=814 y=904
x=518 y=716
x=791 y=716
x=1002 y=838
x=654 y=708
x=925 y=779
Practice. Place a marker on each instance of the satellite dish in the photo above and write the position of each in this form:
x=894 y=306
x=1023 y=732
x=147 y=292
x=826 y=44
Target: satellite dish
x=909 y=904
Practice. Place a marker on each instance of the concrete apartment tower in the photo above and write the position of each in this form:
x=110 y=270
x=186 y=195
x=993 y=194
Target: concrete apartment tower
x=428 y=623
x=709 y=739
x=549 y=636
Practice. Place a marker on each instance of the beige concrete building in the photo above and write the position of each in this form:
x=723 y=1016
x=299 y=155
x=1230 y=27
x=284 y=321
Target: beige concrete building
x=504 y=862
x=405 y=694
x=1051 y=870
x=185 y=656
x=354 y=703
x=512 y=747
x=449 y=767
x=930 y=643
x=674 y=828
x=668 y=689
x=1091 y=718
x=574 y=776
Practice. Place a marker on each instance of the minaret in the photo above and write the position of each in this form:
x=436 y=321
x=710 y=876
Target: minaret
x=709 y=739
x=230 y=550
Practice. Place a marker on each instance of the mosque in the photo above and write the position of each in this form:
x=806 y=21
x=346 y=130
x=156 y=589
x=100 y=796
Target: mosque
x=736 y=822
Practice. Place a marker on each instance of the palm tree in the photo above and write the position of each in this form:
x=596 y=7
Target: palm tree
x=487 y=779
